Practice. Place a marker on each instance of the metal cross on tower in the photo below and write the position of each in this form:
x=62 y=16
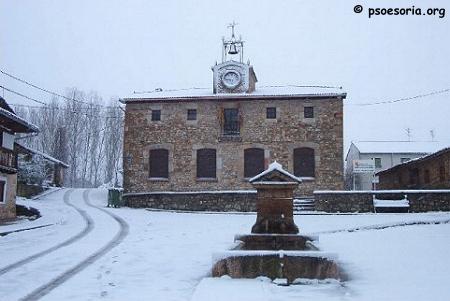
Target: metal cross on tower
x=232 y=25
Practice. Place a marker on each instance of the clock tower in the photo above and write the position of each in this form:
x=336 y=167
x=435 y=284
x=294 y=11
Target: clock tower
x=232 y=75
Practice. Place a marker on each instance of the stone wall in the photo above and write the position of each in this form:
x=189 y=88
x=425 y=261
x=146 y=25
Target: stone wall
x=343 y=202
x=423 y=202
x=362 y=201
x=211 y=201
x=278 y=137
x=28 y=190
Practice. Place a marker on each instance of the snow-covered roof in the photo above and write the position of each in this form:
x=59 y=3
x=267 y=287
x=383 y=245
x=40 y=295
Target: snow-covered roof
x=44 y=155
x=26 y=126
x=266 y=91
x=388 y=147
x=415 y=160
x=272 y=167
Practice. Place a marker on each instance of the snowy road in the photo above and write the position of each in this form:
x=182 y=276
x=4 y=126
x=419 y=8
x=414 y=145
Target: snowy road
x=96 y=253
x=55 y=265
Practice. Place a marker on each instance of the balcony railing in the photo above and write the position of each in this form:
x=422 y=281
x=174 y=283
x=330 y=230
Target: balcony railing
x=8 y=159
x=231 y=128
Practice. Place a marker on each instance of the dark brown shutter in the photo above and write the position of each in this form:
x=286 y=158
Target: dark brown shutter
x=2 y=191
x=304 y=162
x=253 y=162
x=159 y=163
x=426 y=176
x=414 y=176
x=206 y=163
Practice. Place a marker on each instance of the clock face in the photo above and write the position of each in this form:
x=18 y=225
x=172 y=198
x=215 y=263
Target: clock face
x=231 y=79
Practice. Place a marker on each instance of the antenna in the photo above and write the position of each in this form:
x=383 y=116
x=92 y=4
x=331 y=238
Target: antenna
x=408 y=133
x=433 y=135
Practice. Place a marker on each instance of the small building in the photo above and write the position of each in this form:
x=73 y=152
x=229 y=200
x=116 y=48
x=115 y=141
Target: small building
x=384 y=155
x=216 y=139
x=53 y=169
x=428 y=172
x=10 y=124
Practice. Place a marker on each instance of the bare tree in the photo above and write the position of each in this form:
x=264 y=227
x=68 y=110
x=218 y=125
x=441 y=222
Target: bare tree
x=81 y=132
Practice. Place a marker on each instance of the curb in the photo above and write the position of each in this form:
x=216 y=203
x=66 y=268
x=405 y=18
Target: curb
x=24 y=229
x=45 y=193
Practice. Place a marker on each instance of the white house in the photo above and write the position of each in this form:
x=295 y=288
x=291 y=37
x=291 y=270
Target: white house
x=383 y=155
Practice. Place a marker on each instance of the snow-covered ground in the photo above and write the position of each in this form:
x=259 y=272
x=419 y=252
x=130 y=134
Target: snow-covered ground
x=168 y=256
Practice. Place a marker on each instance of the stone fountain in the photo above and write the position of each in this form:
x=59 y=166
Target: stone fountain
x=274 y=248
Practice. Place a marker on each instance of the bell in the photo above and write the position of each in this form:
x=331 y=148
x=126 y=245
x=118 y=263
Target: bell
x=233 y=49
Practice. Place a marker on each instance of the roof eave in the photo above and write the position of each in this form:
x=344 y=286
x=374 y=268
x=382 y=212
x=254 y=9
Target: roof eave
x=234 y=97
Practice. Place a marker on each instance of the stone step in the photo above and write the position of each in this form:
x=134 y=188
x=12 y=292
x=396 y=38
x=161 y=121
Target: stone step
x=303 y=205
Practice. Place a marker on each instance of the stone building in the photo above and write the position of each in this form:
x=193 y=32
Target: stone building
x=10 y=124
x=384 y=155
x=428 y=172
x=214 y=140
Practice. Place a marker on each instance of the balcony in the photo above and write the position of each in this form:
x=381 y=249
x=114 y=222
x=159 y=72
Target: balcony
x=8 y=161
x=231 y=126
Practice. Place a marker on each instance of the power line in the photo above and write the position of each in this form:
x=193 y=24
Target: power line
x=22 y=95
x=402 y=99
x=45 y=90
x=39 y=88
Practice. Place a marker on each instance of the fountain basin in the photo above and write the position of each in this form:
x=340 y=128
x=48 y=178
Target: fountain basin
x=289 y=265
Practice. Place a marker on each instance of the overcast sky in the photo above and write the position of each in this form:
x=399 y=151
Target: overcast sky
x=116 y=47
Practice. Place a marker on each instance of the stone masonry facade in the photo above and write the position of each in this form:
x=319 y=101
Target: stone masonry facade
x=429 y=172
x=8 y=207
x=278 y=137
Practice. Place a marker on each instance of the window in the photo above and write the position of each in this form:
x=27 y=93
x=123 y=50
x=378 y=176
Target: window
x=414 y=176
x=377 y=162
x=253 y=162
x=442 y=173
x=191 y=114
x=308 y=112
x=304 y=162
x=156 y=115
x=159 y=163
x=426 y=176
x=2 y=190
x=206 y=163
x=404 y=160
x=231 y=122
x=271 y=113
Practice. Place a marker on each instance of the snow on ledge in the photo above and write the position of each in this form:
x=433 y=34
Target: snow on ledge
x=217 y=256
x=381 y=191
x=391 y=203
x=311 y=237
x=188 y=192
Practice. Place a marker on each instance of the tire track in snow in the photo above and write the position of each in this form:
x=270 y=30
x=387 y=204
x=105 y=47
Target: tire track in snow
x=116 y=240
x=88 y=228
